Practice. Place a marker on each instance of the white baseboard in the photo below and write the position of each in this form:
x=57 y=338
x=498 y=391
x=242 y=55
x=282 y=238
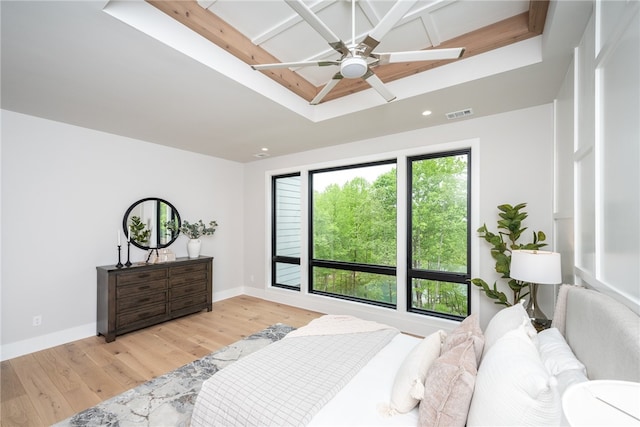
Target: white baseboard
x=229 y=293
x=20 y=348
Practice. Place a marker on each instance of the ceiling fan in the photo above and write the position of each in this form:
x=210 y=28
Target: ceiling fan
x=358 y=59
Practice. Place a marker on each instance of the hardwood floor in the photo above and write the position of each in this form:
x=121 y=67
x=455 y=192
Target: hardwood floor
x=48 y=386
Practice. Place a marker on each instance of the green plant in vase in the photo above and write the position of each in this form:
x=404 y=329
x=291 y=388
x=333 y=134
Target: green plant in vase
x=193 y=231
x=502 y=242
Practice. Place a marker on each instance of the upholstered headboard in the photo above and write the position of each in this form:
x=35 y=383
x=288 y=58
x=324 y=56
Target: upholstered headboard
x=603 y=333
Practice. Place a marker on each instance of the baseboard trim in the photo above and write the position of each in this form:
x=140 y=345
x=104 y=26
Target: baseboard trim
x=42 y=342
x=229 y=293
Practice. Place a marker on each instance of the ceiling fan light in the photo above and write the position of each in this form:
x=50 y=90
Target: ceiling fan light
x=353 y=68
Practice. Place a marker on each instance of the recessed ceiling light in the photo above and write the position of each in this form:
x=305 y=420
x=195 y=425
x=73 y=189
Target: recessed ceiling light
x=261 y=155
x=265 y=149
x=426 y=113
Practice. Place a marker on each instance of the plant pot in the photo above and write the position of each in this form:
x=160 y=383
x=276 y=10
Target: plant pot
x=193 y=248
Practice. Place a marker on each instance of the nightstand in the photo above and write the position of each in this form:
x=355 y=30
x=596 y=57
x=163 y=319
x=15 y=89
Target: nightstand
x=602 y=402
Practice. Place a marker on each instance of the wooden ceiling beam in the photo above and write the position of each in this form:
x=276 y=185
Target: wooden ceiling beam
x=189 y=13
x=219 y=32
x=537 y=15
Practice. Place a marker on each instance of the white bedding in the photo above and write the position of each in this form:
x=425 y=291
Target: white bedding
x=362 y=401
x=287 y=382
x=365 y=397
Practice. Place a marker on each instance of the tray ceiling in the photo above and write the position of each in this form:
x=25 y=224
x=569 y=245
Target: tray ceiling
x=259 y=32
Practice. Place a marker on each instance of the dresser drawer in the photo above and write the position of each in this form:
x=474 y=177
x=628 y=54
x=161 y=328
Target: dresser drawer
x=190 y=288
x=135 y=301
x=187 y=278
x=158 y=286
x=200 y=267
x=195 y=300
x=149 y=314
x=140 y=277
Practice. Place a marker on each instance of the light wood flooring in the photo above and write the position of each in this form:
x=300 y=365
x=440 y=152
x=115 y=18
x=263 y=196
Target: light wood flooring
x=48 y=386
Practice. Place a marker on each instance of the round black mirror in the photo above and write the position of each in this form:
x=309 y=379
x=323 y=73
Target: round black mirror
x=145 y=223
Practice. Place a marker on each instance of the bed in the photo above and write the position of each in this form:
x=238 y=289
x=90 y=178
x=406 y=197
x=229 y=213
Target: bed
x=344 y=371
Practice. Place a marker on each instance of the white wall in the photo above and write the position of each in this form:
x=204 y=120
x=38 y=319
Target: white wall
x=65 y=190
x=601 y=99
x=516 y=165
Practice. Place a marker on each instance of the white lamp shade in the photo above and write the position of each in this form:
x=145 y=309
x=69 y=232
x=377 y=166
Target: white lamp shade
x=540 y=267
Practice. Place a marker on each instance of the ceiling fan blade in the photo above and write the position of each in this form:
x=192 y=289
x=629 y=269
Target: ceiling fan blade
x=294 y=64
x=326 y=89
x=392 y=17
x=375 y=82
x=320 y=27
x=418 y=55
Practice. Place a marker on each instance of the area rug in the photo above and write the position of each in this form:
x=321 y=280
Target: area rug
x=168 y=400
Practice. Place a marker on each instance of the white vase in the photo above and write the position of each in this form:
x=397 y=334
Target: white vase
x=193 y=248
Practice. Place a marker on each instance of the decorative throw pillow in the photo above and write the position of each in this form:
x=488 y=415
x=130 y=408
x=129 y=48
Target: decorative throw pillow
x=506 y=320
x=414 y=369
x=469 y=328
x=448 y=387
x=513 y=387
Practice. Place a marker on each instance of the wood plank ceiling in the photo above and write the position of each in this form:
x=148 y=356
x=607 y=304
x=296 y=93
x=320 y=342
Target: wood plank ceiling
x=514 y=29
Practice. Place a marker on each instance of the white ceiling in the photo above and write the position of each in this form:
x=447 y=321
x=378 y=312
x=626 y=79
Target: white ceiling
x=74 y=63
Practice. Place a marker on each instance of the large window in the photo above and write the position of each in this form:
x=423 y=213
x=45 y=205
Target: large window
x=353 y=232
x=438 y=267
x=285 y=245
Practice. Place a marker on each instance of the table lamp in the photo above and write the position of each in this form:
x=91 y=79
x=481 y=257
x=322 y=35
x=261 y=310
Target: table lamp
x=536 y=268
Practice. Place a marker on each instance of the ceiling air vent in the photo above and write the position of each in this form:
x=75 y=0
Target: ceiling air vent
x=459 y=114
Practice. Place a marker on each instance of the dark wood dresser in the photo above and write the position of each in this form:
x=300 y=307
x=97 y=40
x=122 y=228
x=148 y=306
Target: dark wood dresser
x=135 y=297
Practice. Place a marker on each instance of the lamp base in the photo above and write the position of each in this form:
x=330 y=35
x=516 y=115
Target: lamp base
x=538 y=318
x=541 y=324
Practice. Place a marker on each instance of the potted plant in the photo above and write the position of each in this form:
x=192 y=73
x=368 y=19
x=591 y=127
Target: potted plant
x=194 y=231
x=502 y=243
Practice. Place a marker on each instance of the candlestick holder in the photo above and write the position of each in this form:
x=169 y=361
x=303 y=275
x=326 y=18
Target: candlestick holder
x=119 y=264
x=128 y=263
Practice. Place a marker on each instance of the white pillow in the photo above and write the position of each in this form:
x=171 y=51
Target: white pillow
x=504 y=321
x=414 y=368
x=556 y=354
x=559 y=360
x=513 y=388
